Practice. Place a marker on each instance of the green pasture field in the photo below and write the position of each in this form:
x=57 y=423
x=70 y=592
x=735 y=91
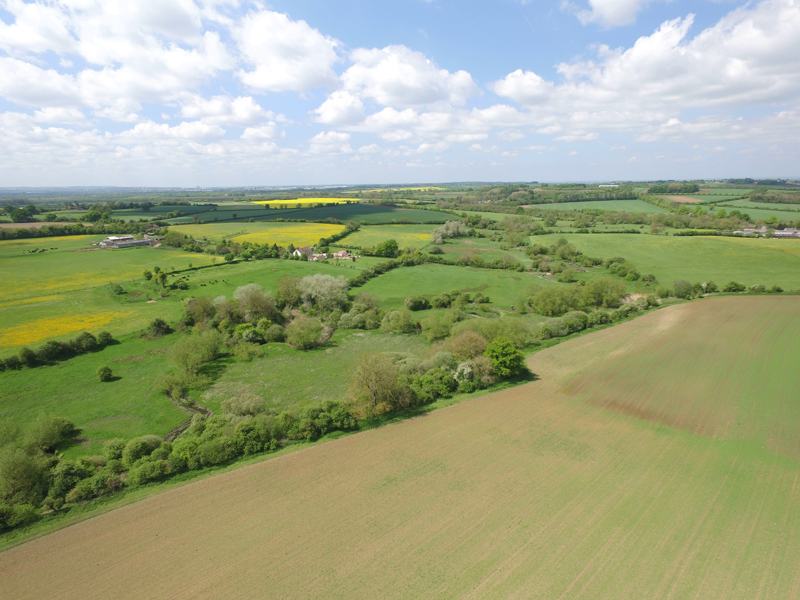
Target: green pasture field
x=773 y=212
x=697 y=258
x=360 y=213
x=772 y=206
x=129 y=406
x=504 y=288
x=289 y=379
x=73 y=263
x=481 y=247
x=41 y=306
x=638 y=206
x=407 y=236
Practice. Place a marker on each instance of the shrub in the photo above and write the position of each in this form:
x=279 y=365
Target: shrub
x=64 y=476
x=417 y=303
x=149 y=470
x=16 y=515
x=244 y=405
x=51 y=433
x=304 y=333
x=605 y=292
x=323 y=292
x=105 y=374
x=377 y=387
x=734 y=287
x=84 y=343
x=23 y=478
x=217 y=451
x=28 y=357
x=555 y=301
x=274 y=333
x=139 y=447
x=387 y=248
x=112 y=449
x=682 y=289
x=364 y=314
x=432 y=385
x=157 y=328
x=597 y=317
x=105 y=481
x=507 y=361
x=474 y=374
x=465 y=345
x=575 y=321
x=254 y=303
x=438 y=326
x=249 y=333
x=399 y=321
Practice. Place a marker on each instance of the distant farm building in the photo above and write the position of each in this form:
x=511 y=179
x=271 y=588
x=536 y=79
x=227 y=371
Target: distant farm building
x=751 y=231
x=306 y=251
x=124 y=241
x=788 y=232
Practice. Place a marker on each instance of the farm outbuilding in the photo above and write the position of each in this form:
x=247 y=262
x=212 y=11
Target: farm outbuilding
x=123 y=241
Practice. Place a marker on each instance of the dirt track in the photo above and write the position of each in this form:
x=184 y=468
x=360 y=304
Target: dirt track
x=527 y=493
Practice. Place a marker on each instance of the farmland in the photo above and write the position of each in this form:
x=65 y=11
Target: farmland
x=698 y=258
x=407 y=236
x=637 y=206
x=299 y=202
x=504 y=288
x=359 y=213
x=537 y=491
x=283 y=234
x=54 y=265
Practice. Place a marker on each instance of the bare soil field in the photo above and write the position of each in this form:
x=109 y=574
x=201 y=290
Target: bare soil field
x=554 y=489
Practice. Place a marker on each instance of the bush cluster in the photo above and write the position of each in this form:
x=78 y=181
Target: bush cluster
x=466 y=362
x=35 y=478
x=54 y=351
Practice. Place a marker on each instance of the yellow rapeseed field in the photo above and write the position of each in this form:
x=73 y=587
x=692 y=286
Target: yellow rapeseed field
x=292 y=202
x=299 y=234
x=50 y=327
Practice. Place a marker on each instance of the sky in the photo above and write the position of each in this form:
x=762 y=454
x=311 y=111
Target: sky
x=299 y=92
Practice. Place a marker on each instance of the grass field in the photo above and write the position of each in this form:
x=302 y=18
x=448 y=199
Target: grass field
x=407 y=236
x=283 y=234
x=58 y=297
x=638 y=206
x=300 y=379
x=540 y=491
x=483 y=248
x=697 y=259
x=504 y=288
x=130 y=406
x=71 y=263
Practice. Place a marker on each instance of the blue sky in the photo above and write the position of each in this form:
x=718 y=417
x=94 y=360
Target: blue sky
x=229 y=92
